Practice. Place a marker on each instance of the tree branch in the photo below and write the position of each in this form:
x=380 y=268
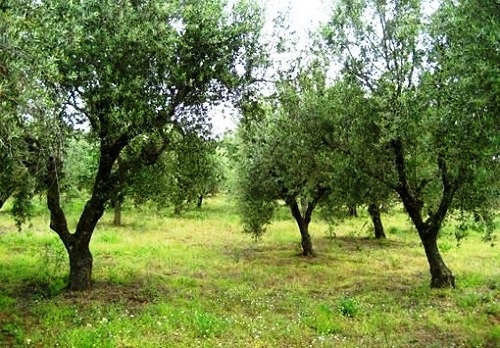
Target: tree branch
x=412 y=203
x=58 y=221
x=435 y=220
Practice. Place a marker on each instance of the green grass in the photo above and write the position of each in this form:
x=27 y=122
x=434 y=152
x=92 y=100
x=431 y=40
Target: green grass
x=197 y=281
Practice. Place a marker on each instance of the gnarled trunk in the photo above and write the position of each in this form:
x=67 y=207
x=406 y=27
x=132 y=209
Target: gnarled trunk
x=374 y=211
x=76 y=244
x=441 y=275
x=80 y=263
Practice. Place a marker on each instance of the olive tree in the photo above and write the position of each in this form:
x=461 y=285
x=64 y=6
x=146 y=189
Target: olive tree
x=283 y=157
x=184 y=174
x=430 y=136
x=129 y=71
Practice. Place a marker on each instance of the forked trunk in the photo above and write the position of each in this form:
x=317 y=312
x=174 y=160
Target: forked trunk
x=303 y=220
x=80 y=263
x=441 y=275
x=374 y=211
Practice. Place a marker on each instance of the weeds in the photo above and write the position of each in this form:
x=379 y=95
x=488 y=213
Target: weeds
x=348 y=306
x=324 y=320
x=53 y=263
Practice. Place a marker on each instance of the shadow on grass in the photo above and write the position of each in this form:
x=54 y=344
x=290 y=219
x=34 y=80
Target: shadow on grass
x=350 y=243
x=328 y=252
x=323 y=246
x=135 y=293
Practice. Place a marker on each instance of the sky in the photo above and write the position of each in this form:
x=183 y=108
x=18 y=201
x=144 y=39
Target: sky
x=304 y=15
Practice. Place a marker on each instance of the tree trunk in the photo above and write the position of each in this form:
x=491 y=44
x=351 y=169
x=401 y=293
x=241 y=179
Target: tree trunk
x=353 y=211
x=117 y=216
x=441 y=275
x=306 y=242
x=303 y=223
x=80 y=263
x=199 y=202
x=374 y=211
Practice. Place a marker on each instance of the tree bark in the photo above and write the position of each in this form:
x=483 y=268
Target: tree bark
x=117 y=212
x=374 y=211
x=77 y=244
x=305 y=242
x=80 y=261
x=441 y=275
x=199 y=202
x=303 y=223
x=107 y=181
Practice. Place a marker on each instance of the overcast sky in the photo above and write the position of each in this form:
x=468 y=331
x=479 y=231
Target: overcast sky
x=304 y=15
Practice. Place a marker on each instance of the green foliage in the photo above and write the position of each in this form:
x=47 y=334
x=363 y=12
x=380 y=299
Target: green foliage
x=198 y=171
x=323 y=320
x=25 y=112
x=128 y=74
x=188 y=171
x=80 y=164
x=418 y=119
x=467 y=88
x=348 y=306
x=281 y=153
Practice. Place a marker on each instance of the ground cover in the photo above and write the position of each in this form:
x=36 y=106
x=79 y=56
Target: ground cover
x=197 y=281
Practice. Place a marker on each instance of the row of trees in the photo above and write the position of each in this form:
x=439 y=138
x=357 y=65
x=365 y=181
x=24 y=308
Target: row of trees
x=412 y=115
x=115 y=95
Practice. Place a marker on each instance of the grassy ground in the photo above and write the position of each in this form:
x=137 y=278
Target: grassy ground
x=197 y=281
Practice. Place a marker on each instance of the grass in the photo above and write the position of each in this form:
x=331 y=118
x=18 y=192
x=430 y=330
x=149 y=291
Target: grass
x=197 y=281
